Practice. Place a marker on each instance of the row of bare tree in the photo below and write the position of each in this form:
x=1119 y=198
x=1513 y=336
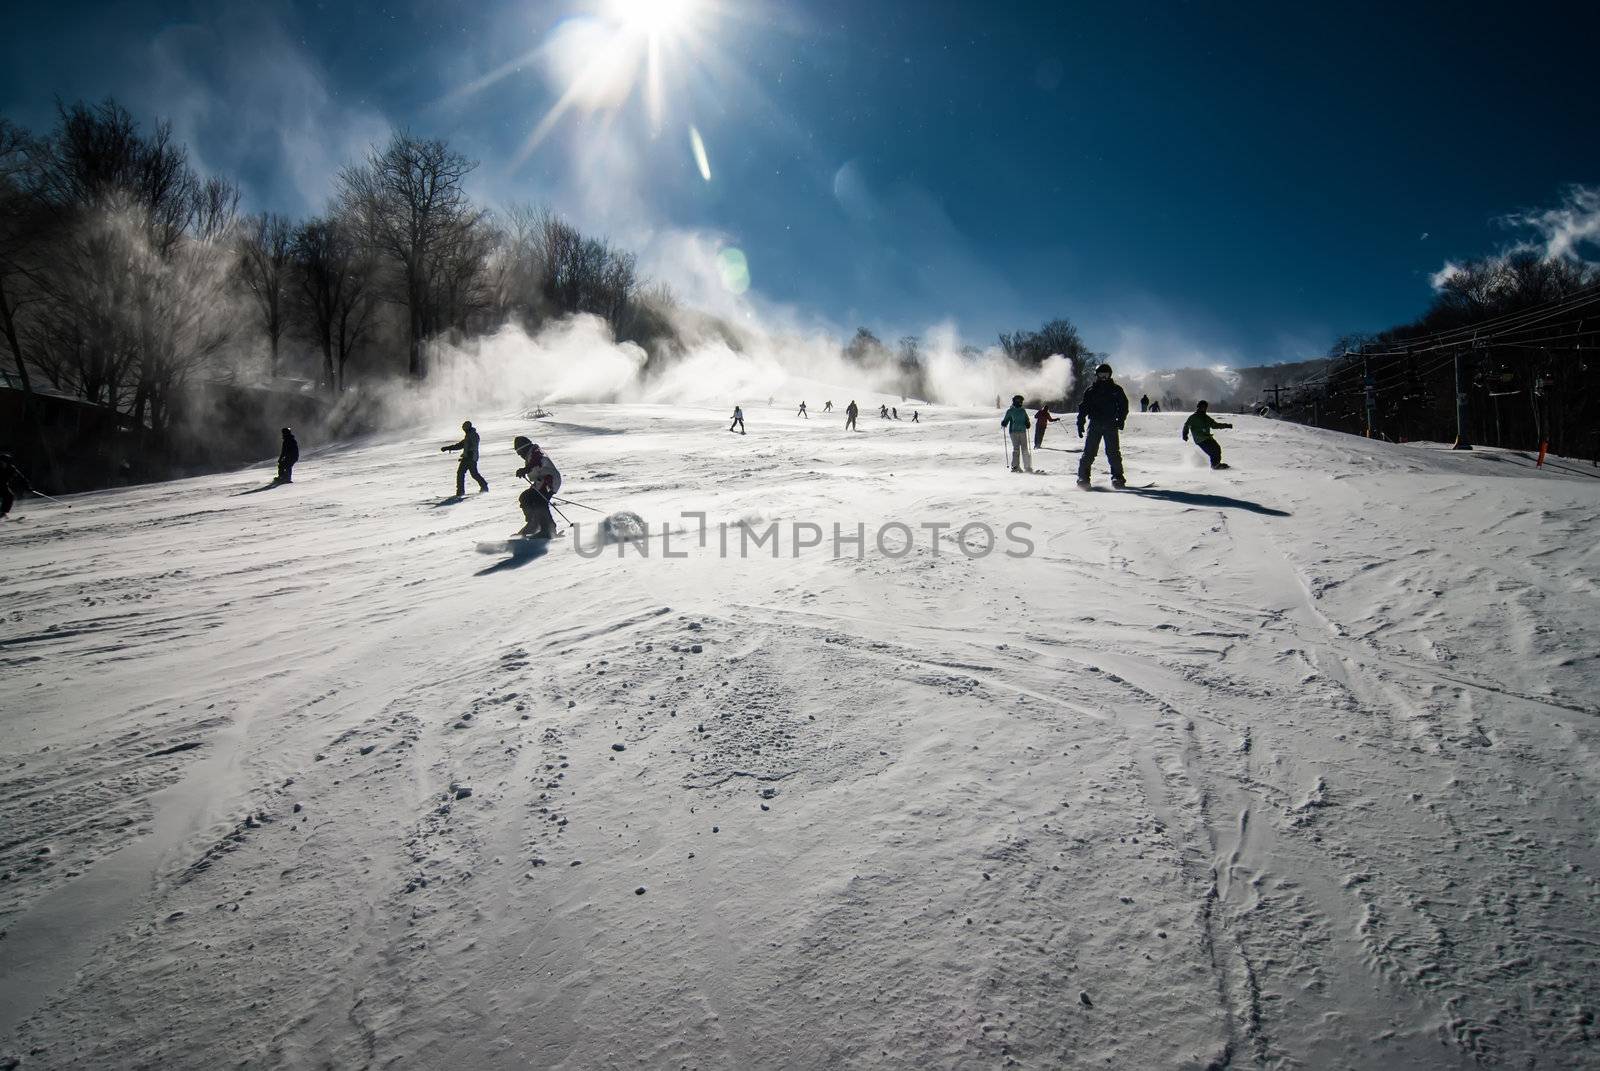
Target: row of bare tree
x=125 y=275
x=1525 y=330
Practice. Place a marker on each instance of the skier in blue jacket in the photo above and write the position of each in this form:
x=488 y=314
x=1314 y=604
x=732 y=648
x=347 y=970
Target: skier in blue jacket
x=1016 y=422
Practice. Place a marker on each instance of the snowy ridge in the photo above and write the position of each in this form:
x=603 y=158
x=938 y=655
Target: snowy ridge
x=1292 y=765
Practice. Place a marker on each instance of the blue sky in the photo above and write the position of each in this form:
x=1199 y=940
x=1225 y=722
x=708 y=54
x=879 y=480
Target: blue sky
x=1190 y=184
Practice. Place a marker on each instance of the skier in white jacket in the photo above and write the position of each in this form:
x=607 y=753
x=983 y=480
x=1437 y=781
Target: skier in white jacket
x=545 y=481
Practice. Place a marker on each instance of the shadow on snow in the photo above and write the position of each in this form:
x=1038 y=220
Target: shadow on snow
x=518 y=557
x=1193 y=498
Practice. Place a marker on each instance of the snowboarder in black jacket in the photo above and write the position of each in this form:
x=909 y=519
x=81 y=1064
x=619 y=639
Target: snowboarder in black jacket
x=469 y=459
x=11 y=481
x=288 y=456
x=1105 y=407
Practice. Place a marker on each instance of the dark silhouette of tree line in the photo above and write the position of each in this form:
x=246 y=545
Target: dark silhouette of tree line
x=1524 y=329
x=126 y=277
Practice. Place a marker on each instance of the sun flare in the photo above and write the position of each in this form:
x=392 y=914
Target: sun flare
x=654 y=18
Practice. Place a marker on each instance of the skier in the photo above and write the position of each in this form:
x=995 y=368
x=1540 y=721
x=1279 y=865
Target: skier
x=11 y=481
x=544 y=481
x=1016 y=422
x=803 y=411
x=1105 y=407
x=894 y=413
x=1041 y=420
x=883 y=412
x=1144 y=403
x=914 y=419
x=287 y=456
x=738 y=420
x=1201 y=425
x=1155 y=407
x=469 y=459
x=827 y=407
x=850 y=414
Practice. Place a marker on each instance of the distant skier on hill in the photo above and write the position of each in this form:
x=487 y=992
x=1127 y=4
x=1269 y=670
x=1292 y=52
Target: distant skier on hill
x=11 y=481
x=883 y=412
x=1016 y=422
x=1041 y=420
x=914 y=418
x=1155 y=407
x=803 y=411
x=738 y=420
x=1200 y=425
x=1144 y=403
x=288 y=454
x=1105 y=407
x=827 y=407
x=850 y=414
x=469 y=459
x=894 y=412
x=545 y=481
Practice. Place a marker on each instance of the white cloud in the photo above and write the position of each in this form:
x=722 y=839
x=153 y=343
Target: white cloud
x=1444 y=275
x=1563 y=229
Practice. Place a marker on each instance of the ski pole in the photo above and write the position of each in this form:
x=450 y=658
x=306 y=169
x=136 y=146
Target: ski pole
x=580 y=505
x=551 y=503
x=47 y=498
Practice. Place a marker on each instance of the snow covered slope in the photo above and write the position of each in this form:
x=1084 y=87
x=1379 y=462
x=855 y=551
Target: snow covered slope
x=1289 y=765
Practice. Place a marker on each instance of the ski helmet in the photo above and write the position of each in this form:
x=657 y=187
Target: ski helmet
x=521 y=443
x=1016 y=399
x=466 y=425
x=1103 y=370
x=288 y=431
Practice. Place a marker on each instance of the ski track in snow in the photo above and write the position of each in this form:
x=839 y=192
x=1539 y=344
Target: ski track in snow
x=1292 y=766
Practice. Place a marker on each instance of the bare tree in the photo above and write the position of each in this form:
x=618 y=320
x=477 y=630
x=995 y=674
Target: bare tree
x=134 y=274
x=408 y=197
x=19 y=245
x=264 y=263
x=335 y=291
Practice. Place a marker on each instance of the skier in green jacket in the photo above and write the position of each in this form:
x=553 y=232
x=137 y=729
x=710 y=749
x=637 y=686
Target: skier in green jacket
x=1201 y=426
x=1016 y=422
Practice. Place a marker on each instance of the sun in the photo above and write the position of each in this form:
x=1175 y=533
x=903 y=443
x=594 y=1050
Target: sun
x=653 y=18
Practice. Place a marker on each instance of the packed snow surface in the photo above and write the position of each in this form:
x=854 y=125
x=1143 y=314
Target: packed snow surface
x=1288 y=765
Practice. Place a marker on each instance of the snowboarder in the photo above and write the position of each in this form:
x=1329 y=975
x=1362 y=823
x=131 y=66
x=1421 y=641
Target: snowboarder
x=1201 y=426
x=1144 y=403
x=287 y=456
x=469 y=459
x=850 y=414
x=11 y=481
x=803 y=411
x=827 y=407
x=738 y=420
x=1016 y=422
x=544 y=481
x=1041 y=420
x=1105 y=407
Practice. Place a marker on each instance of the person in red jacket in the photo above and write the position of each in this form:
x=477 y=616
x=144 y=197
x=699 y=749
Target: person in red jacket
x=1040 y=419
